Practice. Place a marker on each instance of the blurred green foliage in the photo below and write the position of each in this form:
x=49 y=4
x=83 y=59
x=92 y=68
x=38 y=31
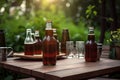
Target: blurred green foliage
x=15 y=25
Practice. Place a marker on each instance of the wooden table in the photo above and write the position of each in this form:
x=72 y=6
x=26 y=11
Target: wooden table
x=65 y=69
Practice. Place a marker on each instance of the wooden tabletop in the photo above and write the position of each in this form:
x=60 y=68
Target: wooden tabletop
x=65 y=69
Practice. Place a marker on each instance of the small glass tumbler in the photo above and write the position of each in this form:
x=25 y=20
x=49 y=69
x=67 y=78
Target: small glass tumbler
x=70 y=49
x=80 y=48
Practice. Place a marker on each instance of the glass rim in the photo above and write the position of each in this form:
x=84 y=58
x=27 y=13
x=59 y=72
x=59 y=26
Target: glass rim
x=5 y=47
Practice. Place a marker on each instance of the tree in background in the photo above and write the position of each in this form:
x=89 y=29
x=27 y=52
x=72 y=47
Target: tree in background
x=77 y=15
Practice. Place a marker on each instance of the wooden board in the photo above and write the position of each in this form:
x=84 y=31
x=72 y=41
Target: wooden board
x=34 y=57
x=65 y=69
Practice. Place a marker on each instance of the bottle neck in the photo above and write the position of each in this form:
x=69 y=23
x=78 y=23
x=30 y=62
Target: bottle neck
x=29 y=35
x=28 y=39
x=49 y=33
x=55 y=35
x=65 y=35
x=91 y=37
x=37 y=37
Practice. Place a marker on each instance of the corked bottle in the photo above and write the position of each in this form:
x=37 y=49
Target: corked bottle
x=91 y=47
x=49 y=46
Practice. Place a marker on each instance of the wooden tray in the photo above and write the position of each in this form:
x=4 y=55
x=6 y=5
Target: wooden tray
x=34 y=57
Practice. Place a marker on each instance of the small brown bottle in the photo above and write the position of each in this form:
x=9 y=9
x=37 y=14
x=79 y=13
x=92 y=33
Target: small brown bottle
x=91 y=47
x=49 y=46
x=65 y=37
x=38 y=43
x=56 y=37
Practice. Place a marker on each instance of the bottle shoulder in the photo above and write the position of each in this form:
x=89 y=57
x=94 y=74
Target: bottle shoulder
x=49 y=39
x=91 y=42
x=38 y=40
x=28 y=40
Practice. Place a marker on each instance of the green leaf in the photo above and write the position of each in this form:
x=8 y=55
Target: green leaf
x=95 y=13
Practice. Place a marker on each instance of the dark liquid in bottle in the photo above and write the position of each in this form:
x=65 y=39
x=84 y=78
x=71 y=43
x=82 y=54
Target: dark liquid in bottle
x=65 y=37
x=91 y=49
x=49 y=55
x=29 y=49
x=49 y=49
x=38 y=46
x=63 y=47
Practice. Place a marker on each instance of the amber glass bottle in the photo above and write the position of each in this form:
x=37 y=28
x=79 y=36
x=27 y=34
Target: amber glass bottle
x=49 y=46
x=91 y=47
x=56 y=37
x=29 y=43
x=65 y=37
x=38 y=43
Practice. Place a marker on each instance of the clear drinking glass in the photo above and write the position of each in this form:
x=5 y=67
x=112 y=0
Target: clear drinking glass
x=70 y=49
x=80 y=48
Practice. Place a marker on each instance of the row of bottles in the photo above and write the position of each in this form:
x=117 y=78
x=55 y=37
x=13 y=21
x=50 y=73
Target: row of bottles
x=32 y=43
x=49 y=46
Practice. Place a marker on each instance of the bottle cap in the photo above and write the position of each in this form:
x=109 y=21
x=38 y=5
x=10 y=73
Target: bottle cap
x=29 y=30
x=54 y=30
x=91 y=28
x=65 y=29
x=36 y=33
x=48 y=25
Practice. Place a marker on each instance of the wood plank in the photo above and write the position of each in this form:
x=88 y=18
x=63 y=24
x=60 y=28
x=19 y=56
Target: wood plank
x=17 y=65
x=27 y=68
x=42 y=69
x=81 y=63
x=66 y=69
x=24 y=66
x=84 y=72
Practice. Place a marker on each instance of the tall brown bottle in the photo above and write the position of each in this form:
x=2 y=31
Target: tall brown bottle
x=56 y=37
x=38 y=43
x=65 y=37
x=91 y=47
x=49 y=46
